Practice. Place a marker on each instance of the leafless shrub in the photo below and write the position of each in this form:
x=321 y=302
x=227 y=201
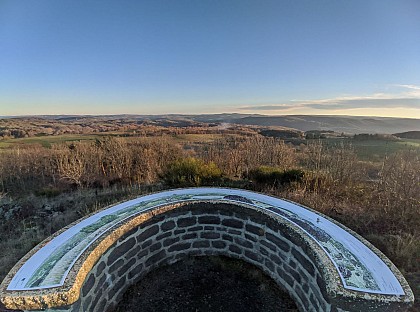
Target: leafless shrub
x=236 y=156
x=399 y=183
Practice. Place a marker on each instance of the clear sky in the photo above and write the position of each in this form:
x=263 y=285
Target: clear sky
x=358 y=57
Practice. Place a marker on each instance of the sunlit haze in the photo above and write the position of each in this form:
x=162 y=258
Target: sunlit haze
x=191 y=57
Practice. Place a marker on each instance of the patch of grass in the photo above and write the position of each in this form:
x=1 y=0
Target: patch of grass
x=46 y=141
x=375 y=150
x=409 y=143
x=197 y=137
x=275 y=177
x=48 y=192
x=4 y=144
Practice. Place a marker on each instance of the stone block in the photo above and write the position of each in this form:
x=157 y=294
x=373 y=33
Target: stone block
x=283 y=245
x=264 y=252
x=254 y=229
x=120 y=250
x=134 y=272
x=210 y=235
x=170 y=241
x=276 y=259
x=209 y=219
x=155 y=246
x=179 y=247
x=233 y=223
x=156 y=258
x=111 y=293
x=234 y=232
x=218 y=244
x=100 y=268
x=146 y=244
x=268 y=245
x=88 y=284
x=286 y=277
x=179 y=231
x=243 y=242
x=250 y=238
x=307 y=265
x=227 y=237
x=126 y=267
x=147 y=233
x=253 y=255
x=86 y=304
x=133 y=252
x=303 y=297
x=116 y=265
x=164 y=235
x=186 y=222
x=100 y=283
x=189 y=236
x=201 y=244
x=142 y=253
x=314 y=302
x=269 y=265
x=235 y=249
x=195 y=229
x=167 y=225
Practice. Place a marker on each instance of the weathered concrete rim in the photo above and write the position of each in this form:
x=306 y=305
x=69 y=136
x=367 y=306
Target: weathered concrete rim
x=404 y=284
x=70 y=291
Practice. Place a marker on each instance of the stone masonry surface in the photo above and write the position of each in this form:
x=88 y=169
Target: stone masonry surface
x=220 y=231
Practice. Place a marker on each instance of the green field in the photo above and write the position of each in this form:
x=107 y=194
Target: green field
x=375 y=150
x=45 y=141
x=48 y=141
x=193 y=137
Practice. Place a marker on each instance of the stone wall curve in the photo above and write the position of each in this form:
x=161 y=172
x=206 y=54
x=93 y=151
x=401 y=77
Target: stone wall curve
x=203 y=229
x=219 y=228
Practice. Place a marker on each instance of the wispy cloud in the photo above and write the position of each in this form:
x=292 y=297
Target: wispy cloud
x=413 y=87
x=270 y=107
x=408 y=96
x=367 y=103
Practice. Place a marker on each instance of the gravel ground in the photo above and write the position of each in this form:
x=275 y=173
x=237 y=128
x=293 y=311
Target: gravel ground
x=206 y=284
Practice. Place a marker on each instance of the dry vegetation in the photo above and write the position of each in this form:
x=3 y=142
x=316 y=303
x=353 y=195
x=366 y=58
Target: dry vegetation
x=43 y=189
x=36 y=127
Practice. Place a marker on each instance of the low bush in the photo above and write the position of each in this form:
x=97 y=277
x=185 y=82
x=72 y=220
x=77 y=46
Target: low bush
x=192 y=172
x=274 y=176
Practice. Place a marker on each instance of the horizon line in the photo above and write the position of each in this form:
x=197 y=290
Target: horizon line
x=192 y=114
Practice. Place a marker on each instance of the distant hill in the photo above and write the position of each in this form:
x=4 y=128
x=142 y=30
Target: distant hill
x=409 y=135
x=346 y=124
x=299 y=123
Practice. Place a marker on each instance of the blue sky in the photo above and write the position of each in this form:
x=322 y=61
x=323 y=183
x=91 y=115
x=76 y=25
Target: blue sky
x=151 y=57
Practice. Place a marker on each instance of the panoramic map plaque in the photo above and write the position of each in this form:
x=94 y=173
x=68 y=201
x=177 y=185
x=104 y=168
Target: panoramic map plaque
x=358 y=266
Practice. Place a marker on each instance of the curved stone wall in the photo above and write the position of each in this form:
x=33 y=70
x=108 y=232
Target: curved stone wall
x=231 y=227
x=200 y=229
